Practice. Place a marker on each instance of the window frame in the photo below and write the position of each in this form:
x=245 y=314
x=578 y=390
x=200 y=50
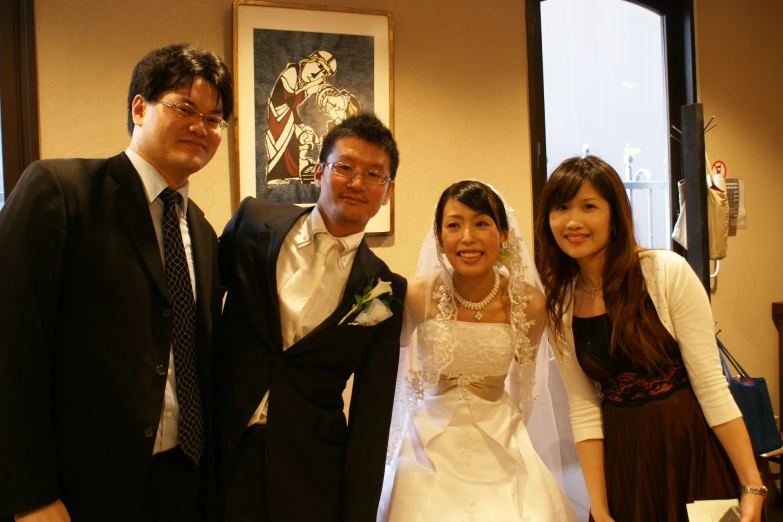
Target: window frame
x=18 y=90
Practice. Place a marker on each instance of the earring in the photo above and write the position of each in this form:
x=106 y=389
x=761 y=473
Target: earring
x=439 y=249
x=614 y=232
x=503 y=249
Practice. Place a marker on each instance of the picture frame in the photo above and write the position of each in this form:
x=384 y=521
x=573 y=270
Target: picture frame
x=304 y=69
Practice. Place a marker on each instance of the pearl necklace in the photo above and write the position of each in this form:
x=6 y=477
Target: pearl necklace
x=470 y=305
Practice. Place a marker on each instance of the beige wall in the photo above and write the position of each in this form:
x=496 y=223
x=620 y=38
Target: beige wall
x=445 y=121
x=450 y=123
x=740 y=49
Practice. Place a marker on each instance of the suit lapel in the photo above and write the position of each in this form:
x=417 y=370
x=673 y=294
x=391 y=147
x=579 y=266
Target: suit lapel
x=134 y=208
x=203 y=259
x=361 y=271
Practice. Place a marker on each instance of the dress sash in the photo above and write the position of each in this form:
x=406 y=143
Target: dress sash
x=488 y=388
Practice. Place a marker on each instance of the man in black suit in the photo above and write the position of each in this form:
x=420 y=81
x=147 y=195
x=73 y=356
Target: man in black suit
x=108 y=292
x=290 y=340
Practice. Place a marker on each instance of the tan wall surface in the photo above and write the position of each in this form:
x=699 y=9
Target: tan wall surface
x=86 y=53
x=446 y=120
x=450 y=123
x=740 y=50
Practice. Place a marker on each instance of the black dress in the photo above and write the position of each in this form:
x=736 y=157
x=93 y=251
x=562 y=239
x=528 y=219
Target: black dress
x=659 y=452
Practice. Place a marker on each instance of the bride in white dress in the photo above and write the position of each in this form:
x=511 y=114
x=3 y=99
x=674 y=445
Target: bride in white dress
x=459 y=448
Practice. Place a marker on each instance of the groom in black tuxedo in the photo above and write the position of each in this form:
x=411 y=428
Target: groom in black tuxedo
x=289 y=346
x=108 y=292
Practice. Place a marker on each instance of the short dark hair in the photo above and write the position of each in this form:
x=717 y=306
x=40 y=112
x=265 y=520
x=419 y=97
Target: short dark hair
x=169 y=68
x=475 y=195
x=367 y=127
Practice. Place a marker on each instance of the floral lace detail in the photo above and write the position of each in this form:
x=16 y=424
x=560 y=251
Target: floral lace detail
x=470 y=513
x=465 y=445
x=478 y=350
x=443 y=354
x=635 y=388
x=524 y=353
x=396 y=432
x=415 y=382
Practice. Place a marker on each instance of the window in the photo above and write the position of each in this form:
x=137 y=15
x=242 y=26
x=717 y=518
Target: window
x=605 y=95
x=668 y=24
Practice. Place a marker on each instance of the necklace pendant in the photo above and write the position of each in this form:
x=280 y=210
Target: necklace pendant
x=591 y=291
x=470 y=305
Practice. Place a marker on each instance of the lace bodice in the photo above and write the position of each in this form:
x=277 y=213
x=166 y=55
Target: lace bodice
x=480 y=349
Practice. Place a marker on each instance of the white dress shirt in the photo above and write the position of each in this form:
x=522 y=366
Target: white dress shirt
x=168 y=427
x=296 y=252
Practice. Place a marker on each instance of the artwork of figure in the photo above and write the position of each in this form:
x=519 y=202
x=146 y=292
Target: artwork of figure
x=337 y=105
x=299 y=95
x=288 y=138
x=291 y=144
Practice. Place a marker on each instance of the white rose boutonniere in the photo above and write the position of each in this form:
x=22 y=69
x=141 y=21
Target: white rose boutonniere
x=372 y=307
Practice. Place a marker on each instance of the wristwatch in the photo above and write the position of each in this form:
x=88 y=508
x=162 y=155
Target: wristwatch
x=762 y=490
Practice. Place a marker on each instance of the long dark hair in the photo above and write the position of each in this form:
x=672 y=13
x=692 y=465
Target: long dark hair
x=623 y=283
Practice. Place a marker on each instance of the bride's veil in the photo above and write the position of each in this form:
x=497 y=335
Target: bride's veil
x=533 y=381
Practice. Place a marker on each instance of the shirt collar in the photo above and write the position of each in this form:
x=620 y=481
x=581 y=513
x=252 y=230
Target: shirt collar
x=314 y=224
x=152 y=180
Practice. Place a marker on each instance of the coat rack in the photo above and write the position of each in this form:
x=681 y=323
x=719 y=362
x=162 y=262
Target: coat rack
x=694 y=171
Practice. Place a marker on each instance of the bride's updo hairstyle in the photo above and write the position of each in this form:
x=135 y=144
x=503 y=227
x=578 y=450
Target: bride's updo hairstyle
x=476 y=195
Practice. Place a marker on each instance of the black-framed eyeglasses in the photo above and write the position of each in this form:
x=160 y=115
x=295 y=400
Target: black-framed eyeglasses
x=211 y=122
x=346 y=170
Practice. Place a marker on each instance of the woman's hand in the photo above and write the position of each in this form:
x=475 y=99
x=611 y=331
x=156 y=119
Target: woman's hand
x=733 y=436
x=751 y=507
x=604 y=517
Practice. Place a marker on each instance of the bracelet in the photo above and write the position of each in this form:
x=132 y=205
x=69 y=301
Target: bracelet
x=753 y=490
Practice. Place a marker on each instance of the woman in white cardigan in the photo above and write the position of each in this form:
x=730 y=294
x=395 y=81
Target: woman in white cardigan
x=654 y=422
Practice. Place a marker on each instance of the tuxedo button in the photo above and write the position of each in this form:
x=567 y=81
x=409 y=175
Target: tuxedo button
x=148 y=432
x=167 y=312
x=160 y=370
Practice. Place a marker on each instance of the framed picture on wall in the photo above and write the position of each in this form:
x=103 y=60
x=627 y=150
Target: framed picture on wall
x=299 y=70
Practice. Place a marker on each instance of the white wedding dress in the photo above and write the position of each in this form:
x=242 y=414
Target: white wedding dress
x=464 y=454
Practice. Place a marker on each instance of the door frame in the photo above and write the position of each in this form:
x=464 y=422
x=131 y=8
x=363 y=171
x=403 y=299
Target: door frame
x=18 y=90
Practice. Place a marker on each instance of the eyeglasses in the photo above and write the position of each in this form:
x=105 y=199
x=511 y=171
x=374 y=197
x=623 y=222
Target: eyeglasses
x=344 y=170
x=211 y=122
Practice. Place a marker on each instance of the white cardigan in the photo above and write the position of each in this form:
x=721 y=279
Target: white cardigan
x=684 y=309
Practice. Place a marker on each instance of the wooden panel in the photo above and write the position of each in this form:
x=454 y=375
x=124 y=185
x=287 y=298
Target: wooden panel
x=18 y=89
x=696 y=191
x=777 y=316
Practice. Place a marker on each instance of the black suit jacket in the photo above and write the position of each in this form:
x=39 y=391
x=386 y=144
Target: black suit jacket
x=86 y=333
x=318 y=468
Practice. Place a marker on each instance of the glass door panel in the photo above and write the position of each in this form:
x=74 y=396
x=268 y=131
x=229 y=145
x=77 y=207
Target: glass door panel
x=605 y=95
